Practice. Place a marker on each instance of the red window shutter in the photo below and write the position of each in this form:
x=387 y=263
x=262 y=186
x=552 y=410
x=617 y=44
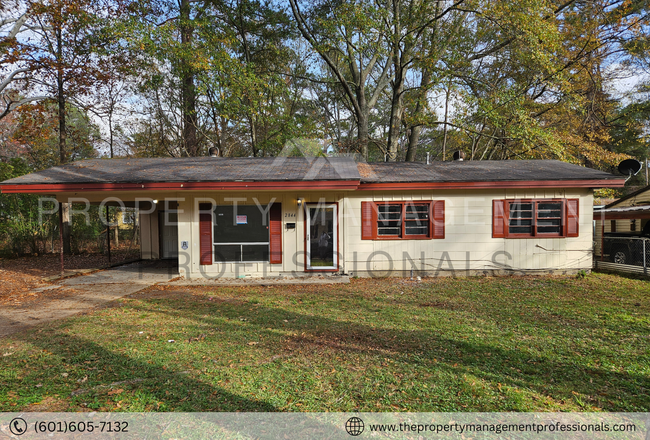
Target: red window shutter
x=275 y=233
x=438 y=219
x=572 y=217
x=498 y=218
x=368 y=220
x=205 y=233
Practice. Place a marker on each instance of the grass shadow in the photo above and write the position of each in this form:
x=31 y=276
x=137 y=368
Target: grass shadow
x=561 y=374
x=98 y=378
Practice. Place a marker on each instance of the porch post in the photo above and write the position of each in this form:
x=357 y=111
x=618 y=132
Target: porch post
x=602 y=238
x=645 y=266
x=108 y=235
x=61 y=234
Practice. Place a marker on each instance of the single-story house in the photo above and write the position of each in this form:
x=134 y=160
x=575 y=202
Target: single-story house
x=287 y=216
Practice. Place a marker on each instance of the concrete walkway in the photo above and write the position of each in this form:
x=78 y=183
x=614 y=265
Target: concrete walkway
x=101 y=287
x=90 y=291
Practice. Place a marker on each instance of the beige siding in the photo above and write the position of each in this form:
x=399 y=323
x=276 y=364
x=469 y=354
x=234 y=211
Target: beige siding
x=468 y=244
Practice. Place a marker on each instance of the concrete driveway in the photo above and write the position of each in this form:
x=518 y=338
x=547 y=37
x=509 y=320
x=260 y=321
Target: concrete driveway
x=71 y=296
x=85 y=292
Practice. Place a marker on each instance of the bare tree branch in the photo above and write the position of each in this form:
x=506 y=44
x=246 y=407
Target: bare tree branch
x=12 y=105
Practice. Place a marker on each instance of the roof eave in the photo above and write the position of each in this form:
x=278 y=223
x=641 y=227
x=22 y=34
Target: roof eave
x=48 y=188
x=604 y=215
x=576 y=183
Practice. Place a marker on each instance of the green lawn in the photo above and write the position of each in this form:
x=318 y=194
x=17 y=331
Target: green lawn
x=480 y=344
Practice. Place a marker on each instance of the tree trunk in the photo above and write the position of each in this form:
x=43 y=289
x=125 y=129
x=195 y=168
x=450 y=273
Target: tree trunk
x=396 y=112
x=445 y=128
x=425 y=81
x=188 y=89
x=65 y=211
x=414 y=139
x=362 y=129
x=253 y=130
x=397 y=102
x=110 y=130
x=60 y=95
x=416 y=130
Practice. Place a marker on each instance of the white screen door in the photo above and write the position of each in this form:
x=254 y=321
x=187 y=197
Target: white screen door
x=321 y=244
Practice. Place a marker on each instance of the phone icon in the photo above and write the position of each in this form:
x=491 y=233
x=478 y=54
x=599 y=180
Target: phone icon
x=18 y=426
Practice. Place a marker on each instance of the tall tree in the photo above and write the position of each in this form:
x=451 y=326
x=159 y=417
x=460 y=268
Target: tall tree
x=64 y=50
x=188 y=86
x=227 y=69
x=350 y=39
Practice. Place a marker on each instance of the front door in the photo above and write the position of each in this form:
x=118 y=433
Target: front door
x=321 y=237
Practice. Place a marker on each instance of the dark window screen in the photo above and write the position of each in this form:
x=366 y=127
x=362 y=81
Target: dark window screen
x=255 y=252
x=389 y=220
x=417 y=220
x=521 y=218
x=241 y=252
x=226 y=229
x=549 y=217
x=228 y=252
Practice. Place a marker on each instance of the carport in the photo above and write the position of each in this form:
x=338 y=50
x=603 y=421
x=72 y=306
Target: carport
x=627 y=254
x=158 y=221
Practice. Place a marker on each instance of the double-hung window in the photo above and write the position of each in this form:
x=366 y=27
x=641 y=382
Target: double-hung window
x=539 y=218
x=409 y=220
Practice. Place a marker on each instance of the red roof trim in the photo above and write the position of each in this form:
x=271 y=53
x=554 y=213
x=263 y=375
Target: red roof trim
x=600 y=183
x=178 y=186
x=304 y=185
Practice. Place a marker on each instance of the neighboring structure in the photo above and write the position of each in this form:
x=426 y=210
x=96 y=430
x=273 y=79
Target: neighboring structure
x=294 y=216
x=622 y=232
x=627 y=214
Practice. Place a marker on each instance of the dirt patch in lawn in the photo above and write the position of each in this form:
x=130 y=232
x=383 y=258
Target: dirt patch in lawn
x=51 y=404
x=22 y=278
x=27 y=299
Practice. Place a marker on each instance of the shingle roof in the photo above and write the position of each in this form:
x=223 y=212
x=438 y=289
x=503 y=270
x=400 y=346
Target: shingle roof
x=195 y=169
x=209 y=169
x=477 y=171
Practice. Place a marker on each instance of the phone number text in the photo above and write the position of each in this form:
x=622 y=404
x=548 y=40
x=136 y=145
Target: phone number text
x=89 y=426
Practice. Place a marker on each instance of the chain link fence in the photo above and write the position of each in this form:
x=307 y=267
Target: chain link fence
x=625 y=254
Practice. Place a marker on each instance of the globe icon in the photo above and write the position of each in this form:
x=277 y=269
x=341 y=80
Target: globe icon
x=354 y=426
